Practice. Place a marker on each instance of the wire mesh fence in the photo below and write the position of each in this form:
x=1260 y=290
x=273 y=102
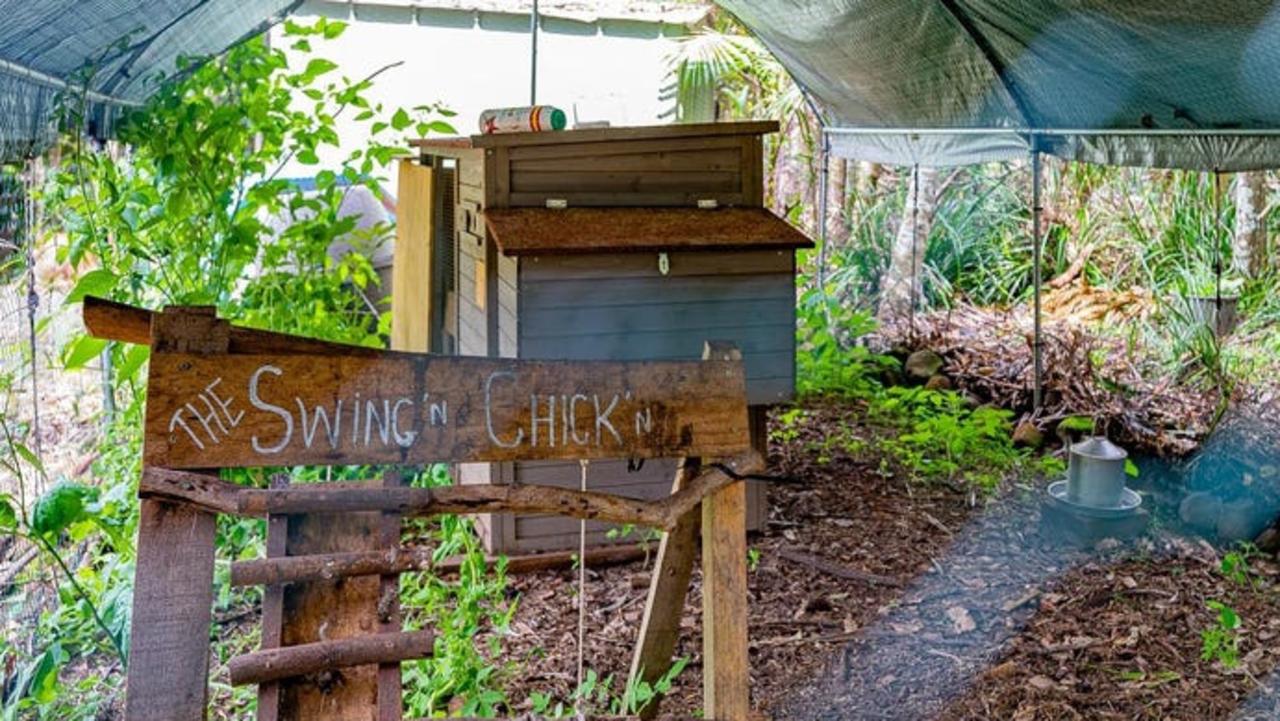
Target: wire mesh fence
x=26 y=588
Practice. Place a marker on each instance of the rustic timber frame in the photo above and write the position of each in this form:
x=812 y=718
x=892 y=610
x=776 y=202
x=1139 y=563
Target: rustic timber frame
x=331 y=637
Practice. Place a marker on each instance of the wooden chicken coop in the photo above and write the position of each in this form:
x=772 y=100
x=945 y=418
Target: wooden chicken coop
x=596 y=244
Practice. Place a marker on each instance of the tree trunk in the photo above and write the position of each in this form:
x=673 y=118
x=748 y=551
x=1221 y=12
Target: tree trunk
x=837 y=176
x=900 y=286
x=1249 y=242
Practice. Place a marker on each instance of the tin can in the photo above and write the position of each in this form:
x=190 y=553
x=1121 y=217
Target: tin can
x=527 y=119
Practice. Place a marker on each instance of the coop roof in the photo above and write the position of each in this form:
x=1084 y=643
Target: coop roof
x=1187 y=83
x=546 y=231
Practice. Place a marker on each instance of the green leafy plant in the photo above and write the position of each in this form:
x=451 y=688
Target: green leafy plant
x=1221 y=641
x=943 y=438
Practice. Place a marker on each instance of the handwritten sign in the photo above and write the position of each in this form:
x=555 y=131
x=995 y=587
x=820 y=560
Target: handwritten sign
x=209 y=411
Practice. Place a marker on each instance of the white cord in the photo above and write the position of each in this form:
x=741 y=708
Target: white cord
x=582 y=582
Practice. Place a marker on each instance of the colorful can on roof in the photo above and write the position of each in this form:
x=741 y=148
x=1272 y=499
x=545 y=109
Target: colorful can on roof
x=526 y=119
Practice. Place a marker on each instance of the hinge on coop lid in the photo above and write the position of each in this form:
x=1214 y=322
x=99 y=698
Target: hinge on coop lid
x=708 y=204
x=664 y=263
x=557 y=203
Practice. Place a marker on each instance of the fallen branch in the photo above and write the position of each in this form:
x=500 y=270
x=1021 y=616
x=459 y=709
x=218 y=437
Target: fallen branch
x=222 y=497
x=832 y=569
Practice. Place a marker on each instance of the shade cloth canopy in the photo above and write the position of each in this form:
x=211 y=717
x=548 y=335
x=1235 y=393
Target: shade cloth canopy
x=53 y=51
x=1173 y=83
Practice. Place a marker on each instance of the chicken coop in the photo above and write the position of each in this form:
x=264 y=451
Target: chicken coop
x=596 y=244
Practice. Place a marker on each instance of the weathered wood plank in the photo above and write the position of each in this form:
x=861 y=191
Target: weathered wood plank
x=543 y=181
x=173 y=578
x=726 y=687
x=390 y=691
x=273 y=606
x=546 y=231
x=172 y=610
x=612 y=266
x=331 y=566
x=660 y=161
x=675 y=130
x=660 y=628
x=173 y=485
x=232 y=411
x=129 y=324
x=302 y=659
x=332 y=610
x=411 y=277
x=622 y=199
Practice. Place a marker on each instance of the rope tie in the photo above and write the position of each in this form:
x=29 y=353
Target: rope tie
x=582 y=582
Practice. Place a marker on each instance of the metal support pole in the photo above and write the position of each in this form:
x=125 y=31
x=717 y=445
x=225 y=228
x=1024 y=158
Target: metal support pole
x=533 y=54
x=1036 y=343
x=27 y=229
x=824 y=156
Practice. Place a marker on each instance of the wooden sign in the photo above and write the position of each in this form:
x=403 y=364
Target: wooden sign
x=211 y=411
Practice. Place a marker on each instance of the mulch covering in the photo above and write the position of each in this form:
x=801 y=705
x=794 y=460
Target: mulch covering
x=988 y=355
x=989 y=620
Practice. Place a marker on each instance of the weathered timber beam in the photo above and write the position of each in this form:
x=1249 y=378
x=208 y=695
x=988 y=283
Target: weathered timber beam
x=290 y=661
x=229 y=498
x=327 y=567
x=110 y=320
x=376 y=563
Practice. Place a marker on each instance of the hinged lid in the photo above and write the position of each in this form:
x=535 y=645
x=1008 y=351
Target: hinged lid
x=542 y=231
x=1099 y=448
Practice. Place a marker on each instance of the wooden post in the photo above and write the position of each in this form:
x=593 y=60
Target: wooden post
x=273 y=605
x=332 y=610
x=390 y=701
x=724 y=600
x=667 y=591
x=411 y=269
x=168 y=677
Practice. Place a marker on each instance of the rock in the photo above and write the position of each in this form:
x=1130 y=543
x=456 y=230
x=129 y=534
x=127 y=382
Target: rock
x=961 y=620
x=1041 y=683
x=1240 y=520
x=1026 y=435
x=1200 y=511
x=923 y=365
x=1268 y=541
x=938 y=382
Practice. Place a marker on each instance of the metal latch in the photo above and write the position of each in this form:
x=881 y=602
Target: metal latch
x=664 y=264
x=708 y=203
x=557 y=203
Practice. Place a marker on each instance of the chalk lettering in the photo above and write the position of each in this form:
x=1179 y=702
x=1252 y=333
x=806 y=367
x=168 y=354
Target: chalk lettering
x=549 y=419
x=371 y=417
x=404 y=439
x=440 y=414
x=204 y=421
x=256 y=401
x=224 y=404
x=321 y=416
x=602 y=419
x=572 y=430
x=180 y=422
x=488 y=411
x=644 y=422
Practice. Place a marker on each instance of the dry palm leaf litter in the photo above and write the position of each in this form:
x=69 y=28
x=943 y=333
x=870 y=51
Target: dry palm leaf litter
x=988 y=355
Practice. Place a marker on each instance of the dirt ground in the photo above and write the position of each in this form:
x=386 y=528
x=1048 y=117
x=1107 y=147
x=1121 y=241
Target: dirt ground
x=871 y=598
